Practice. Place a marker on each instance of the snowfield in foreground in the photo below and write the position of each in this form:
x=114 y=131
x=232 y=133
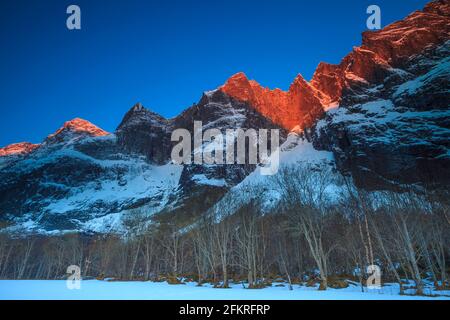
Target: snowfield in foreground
x=104 y=290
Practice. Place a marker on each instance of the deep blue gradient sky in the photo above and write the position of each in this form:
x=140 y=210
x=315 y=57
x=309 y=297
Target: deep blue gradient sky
x=163 y=53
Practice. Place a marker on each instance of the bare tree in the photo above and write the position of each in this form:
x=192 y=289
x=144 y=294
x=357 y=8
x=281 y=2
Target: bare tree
x=305 y=203
x=246 y=235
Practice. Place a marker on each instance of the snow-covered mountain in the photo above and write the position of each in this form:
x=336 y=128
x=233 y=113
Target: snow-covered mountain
x=82 y=183
x=381 y=116
x=82 y=178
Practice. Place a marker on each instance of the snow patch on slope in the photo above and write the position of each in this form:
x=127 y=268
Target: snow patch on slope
x=441 y=70
x=126 y=182
x=204 y=180
x=295 y=151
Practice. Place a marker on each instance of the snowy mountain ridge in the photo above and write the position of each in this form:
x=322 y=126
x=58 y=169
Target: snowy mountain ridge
x=380 y=117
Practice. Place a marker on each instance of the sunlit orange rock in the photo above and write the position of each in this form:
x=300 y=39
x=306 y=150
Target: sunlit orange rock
x=384 y=49
x=380 y=52
x=73 y=128
x=20 y=148
x=289 y=109
x=411 y=35
x=79 y=126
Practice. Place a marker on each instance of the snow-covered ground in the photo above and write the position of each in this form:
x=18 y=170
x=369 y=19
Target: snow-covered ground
x=104 y=290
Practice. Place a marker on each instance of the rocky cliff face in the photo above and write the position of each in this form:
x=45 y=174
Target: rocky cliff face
x=145 y=132
x=397 y=131
x=298 y=107
x=18 y=149
x=201 y=186
x=380 y=52
x=391 y=126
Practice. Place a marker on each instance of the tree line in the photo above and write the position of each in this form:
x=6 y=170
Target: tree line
x=306 y=238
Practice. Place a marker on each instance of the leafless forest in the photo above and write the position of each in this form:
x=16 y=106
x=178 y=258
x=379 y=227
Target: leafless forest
x=305 y=240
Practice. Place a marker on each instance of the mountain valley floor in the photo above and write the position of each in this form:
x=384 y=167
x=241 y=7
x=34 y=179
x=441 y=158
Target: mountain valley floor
x=145 y=290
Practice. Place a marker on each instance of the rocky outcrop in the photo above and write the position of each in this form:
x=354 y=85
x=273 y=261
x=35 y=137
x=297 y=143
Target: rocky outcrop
x=75 y=129
x=145 y=132
x=219 y=111
x=21 y=148
x=201 y=186
x=297 y=107
x=392 y=128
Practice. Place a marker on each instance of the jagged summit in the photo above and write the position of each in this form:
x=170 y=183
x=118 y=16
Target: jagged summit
x=76 y=128
x=139 y=115
x=380 y=53
x=390 y=130
x=285 y=108
x=137 y=107
x=238 y=76
x=81 y=125
x=18 y=149
x=144 y=132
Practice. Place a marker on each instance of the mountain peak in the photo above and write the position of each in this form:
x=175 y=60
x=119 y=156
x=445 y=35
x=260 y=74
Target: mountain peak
x=139 y=115
x=236 y=83
x=298 y=81
x=18 y=149
x=139 y=108
x=81 y=125
x=285 y=108
x=240 y=76
x=78 y=126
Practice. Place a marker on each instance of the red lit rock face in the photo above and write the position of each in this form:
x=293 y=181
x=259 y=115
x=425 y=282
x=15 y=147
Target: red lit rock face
x=78 y=126
x=18 y=149
x=329 y=82
x=384 y=49
x=74 y=128
x=404 y=38
x=380 y=52
x=287 y=108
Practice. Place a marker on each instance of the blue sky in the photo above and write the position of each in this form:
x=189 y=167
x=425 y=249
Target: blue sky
x=163 y=53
